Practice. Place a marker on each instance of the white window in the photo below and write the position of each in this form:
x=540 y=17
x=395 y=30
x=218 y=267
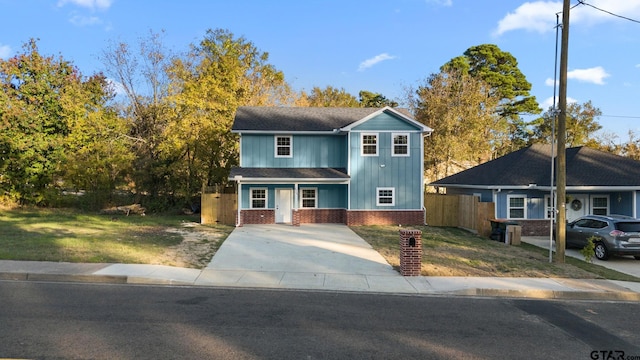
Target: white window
x=369 y=144
x=385 y=196
x=258 y=199
x=517 y=208
x=549 y=207
x=400 y=144
x=284 y=146
x=308 y=198
x=600 y=205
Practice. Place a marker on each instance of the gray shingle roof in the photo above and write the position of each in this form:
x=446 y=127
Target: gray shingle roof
x=289 y=173
x=531 y=165
x=262 y=118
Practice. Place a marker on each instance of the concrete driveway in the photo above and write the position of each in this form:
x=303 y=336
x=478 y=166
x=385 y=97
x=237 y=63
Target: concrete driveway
x=321 y=248
x=309 y=256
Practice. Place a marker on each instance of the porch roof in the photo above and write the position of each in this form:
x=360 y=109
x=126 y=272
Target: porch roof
x=289 y=175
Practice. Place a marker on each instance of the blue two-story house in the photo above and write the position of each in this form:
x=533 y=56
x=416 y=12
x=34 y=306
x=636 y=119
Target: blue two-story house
x=329 y=165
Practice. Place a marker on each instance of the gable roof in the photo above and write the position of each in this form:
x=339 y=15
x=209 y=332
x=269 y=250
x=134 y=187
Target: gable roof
x=308 y=119
x=586 y=167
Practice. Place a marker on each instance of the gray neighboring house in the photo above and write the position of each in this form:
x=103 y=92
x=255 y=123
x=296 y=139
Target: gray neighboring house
x=518 y=183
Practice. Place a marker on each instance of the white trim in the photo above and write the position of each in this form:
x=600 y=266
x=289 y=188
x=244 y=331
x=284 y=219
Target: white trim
x=393 y=144
x=362 y=144
x=393 y=196
x=276 y=146
x=403 y=117
x=315 y=197
x=239 y=210
x=266 y=197
x=261 y=181
x=240 y=150
x=524 y=205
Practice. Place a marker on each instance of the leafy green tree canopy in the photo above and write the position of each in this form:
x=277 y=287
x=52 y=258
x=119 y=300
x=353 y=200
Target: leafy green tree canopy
x=500 y=70
x=370 y=99
x=330 y=97
x=41 y=102
x=581 y=125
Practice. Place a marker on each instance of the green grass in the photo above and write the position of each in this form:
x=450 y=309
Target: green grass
x=72 y=236
x=456 y=252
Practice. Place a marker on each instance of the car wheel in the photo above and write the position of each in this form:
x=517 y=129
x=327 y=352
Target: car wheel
x=601 y=251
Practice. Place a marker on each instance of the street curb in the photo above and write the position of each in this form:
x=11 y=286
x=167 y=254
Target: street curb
x=86 y=278
x=552 y=294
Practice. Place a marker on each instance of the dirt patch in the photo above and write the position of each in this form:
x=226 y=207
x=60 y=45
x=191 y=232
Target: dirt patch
x=199 y=244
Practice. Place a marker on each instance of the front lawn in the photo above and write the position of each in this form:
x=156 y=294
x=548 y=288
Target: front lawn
x=456 y=252
x=72 y=236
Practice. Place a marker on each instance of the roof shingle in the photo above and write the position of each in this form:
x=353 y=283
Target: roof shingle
x=531 y=165
x=263 y=118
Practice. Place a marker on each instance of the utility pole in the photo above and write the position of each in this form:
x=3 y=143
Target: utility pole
x=561 y=153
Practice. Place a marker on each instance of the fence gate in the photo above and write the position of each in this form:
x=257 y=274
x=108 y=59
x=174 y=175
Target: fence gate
x=218 y=208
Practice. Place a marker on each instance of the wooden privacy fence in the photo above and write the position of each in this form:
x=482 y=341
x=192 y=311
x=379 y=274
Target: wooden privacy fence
x=463 y=211
x=218 y=208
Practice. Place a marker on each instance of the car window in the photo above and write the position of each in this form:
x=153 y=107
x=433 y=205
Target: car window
x=628 y=226
x=597 y=224
x=583 y=223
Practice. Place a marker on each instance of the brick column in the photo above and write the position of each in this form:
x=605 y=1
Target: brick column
x=410 y=252
x=295 y=221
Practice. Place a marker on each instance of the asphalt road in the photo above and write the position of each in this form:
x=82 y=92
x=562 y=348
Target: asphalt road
x=92 y=321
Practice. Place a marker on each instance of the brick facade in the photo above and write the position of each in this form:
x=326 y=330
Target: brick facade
x=410 y=252
x=382 y=217
x=534 y=227
x=322 y=216
x=257 y=216
x=336 y=216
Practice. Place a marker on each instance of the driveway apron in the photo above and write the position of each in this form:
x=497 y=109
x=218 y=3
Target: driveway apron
x=309 y=248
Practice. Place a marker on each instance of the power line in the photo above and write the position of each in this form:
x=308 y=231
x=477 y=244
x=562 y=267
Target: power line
x=608 y=12
x=621 y=116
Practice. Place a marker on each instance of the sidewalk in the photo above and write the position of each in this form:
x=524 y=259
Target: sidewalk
x=537 y=288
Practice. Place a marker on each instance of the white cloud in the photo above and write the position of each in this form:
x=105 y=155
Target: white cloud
x=536 y=16
x=551 y=82
x=91 y=4
x=548 y=102
x=5 y=51
x=374 y=60
x=540 y=16
x=440 y=2
x=80 y=20
x=595 y=75
x=116 y=86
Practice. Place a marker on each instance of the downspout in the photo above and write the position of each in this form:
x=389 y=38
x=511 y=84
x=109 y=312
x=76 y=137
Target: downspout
x=495 y=202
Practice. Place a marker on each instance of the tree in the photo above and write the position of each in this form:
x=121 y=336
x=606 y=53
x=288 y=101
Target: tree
x=499 y=69
x=141 y=74
x=42 y=100
x=461 y=111
x=99 y=150
x=219 y=74
x=581 y=125
x=370 y=99
x=330 y=97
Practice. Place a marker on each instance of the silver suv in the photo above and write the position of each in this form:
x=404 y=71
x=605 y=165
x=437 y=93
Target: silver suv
x=615 y=235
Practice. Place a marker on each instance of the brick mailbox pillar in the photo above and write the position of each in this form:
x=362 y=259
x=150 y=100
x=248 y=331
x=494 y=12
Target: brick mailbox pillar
x=410 y=252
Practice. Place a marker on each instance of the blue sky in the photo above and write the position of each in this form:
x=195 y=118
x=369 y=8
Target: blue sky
x=383 y=46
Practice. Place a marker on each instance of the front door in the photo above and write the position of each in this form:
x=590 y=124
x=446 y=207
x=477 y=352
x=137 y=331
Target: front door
x=577 y=206
x=284 y=202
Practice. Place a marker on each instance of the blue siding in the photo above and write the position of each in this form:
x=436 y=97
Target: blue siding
x=309 y=151
x=386 y=122
x=401 y=173
x=330 y=196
